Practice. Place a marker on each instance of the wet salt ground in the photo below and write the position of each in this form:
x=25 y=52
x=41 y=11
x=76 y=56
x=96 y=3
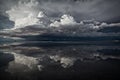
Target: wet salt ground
x=59 y=62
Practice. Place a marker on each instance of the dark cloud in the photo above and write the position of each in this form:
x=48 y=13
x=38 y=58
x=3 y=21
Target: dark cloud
x=102 y=10
x=24 y=13
x=5 y=22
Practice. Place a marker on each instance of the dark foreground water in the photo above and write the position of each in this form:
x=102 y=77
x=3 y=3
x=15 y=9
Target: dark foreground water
x=65 y=60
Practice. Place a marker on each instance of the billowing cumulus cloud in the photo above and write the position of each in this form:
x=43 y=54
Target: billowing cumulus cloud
x=65 y=20
x=24 y=14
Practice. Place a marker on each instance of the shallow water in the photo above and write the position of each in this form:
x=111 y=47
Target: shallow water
x=65 y=60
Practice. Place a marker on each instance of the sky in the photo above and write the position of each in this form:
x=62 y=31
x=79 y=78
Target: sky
x=102 y=10
x=61 y=14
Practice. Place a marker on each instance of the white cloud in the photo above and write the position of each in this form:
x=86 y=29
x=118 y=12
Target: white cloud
x=102 y=25
x=30 y=20
x=41 y=15
x=55 y=24
x=25 y=14
x=115 y=24
x=65 y=20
